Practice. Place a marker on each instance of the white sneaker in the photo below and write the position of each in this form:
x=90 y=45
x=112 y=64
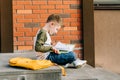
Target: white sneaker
x=68 y=65
x=79 y=63
x=65 y=66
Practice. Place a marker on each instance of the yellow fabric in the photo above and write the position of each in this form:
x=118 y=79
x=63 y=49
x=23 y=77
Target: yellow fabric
x=33 y=64
x=63 y=70
x=29 y=63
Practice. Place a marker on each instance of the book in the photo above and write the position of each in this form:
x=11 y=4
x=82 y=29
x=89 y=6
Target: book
x=64 y=48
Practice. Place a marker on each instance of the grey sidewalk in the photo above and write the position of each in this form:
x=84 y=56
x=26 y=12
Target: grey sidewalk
x=89 y=73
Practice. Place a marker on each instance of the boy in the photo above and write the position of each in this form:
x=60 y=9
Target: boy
x=43 y=43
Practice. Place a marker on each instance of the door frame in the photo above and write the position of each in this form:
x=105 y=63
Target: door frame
x=88 y=31
x=6 y=26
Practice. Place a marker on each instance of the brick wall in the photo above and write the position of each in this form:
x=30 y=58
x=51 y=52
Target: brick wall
x=30 y=15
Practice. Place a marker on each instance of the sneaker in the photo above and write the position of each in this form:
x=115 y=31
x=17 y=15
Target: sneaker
x=79 y=63
x=66 y=66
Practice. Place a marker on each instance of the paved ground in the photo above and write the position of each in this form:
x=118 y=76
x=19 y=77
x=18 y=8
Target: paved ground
x=89 y=73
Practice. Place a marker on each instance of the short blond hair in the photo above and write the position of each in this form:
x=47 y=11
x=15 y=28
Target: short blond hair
x=54 y=17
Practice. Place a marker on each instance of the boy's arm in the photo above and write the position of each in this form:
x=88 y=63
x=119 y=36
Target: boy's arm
x=39 y=45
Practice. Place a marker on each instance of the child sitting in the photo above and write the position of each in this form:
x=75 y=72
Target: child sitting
x=43 y=43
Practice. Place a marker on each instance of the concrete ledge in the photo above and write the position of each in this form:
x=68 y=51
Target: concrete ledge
x=14 y=73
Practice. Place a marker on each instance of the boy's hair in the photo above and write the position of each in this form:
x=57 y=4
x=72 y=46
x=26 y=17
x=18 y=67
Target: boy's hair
x=54 y=17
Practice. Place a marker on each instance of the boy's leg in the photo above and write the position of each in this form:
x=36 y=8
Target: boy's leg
x=62 y=59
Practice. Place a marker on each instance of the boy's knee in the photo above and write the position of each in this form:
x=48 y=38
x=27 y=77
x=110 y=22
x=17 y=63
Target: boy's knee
x=72 y=55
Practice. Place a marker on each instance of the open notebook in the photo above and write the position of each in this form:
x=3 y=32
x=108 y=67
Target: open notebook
x=64 y=48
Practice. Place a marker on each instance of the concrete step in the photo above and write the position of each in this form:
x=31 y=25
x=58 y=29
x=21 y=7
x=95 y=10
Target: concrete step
x=15 y=73
x=102 y=74
x=89 y=73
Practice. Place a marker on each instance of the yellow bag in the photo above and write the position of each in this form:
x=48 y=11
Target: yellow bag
x=33 y=64
x=29 y=63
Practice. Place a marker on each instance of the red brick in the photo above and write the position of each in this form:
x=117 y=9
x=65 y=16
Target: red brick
x=15 y=47
x=79 y=19
x=39 y=20
x=79 y=28
x=55 y=11
x=70 y=19
x=18 y=25
x=77 y=15
x=44 y=15
x=29 y=43
x=23 y=2
x=19 y=43
x=24 y=20
x=31 y=16
x=39 y=2
x=70 y=28
x=14 y=30
x=14 y=3
x=14 y=39
x=14 y=20
x=61 y=33
x=47 y=6
x=57 y=37
x=18 y=34
x=75 y=32
x=35 y=29
x=66 y=41
x=24 y=29
x=42 y=24
x=30 y=34
x=71 y=2
x=66 y=24
x=75 y=24
x=24 y=38
x=25 y=47
x=24 y=11
x=14 y=11
x=62 y=7
x=71 y=11
x=55 y=2
x=16 y=16
x=32 y=7
x=71 y=37
x=78 y=45
x=18 y=7
x=39 y=11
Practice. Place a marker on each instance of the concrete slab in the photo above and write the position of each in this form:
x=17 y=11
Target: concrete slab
x=16 y=73
x=85 y=73
x=89 y=73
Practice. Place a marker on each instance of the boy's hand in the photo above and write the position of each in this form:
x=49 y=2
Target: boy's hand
x=55 y=50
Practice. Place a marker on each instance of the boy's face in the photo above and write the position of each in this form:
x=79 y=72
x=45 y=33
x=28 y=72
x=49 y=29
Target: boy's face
x=54 y=28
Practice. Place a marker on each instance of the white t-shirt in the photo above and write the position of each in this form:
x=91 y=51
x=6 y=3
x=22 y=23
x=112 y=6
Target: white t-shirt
x=41 y=55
